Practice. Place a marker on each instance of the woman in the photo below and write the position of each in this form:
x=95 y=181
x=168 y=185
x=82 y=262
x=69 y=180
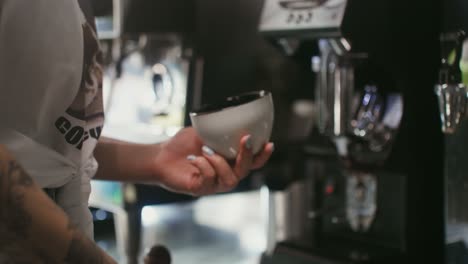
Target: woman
x=50 y=82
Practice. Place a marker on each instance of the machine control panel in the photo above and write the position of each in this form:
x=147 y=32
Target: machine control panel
x=291 y=15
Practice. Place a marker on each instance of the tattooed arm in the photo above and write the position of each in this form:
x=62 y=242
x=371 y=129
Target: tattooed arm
x=32 y=228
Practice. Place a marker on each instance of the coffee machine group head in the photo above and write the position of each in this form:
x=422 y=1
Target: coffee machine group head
x=335 y=86
x=354 y=116
x=351 y=114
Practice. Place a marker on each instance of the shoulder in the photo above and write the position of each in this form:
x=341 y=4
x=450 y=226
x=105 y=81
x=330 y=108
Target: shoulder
x=41 y=43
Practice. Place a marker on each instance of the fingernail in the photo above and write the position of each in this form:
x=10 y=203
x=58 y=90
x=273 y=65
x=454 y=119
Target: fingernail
x=233 y=151
x=207 y=151
x=272 y=147
x=191 y=157
x=248 y=143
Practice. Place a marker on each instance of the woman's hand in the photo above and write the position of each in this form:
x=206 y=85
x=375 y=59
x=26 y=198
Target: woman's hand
x=184 y=164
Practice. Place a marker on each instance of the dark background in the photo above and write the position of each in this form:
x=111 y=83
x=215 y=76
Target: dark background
x=402 y=39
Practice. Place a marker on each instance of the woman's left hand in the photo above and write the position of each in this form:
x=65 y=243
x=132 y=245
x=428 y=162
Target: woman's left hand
x=185 y=165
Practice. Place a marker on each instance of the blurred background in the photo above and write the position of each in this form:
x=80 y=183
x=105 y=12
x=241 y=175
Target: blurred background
x=369 y=131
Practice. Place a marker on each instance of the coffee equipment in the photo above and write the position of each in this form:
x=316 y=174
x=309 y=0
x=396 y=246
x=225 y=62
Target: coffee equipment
x=353 y=196
x=452 y=93
x=406 y=221
x=335 y=84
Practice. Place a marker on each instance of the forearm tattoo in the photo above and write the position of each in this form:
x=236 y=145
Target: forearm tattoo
x=14 y=215
x=14 y=219
x=16 y=223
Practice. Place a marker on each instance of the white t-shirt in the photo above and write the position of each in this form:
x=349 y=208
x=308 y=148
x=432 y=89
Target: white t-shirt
x=51 y=97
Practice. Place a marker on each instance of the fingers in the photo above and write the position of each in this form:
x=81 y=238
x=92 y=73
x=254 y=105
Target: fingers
x=245 y=158
x=204 y=180
x=263 y=156
x=203 y=165
x=226 y=178
x=219 y=175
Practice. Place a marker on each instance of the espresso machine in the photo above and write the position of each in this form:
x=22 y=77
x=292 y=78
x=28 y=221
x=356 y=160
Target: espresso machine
x=358 y=186
x=451 y=90
x=452 y=93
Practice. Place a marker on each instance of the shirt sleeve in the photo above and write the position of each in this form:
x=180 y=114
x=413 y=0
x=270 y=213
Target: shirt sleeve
x=40 y=61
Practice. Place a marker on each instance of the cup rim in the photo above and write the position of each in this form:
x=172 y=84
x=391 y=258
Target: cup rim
x=230 y=102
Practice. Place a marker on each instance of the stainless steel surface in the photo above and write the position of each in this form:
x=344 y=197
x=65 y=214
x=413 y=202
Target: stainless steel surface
x=456 y=184
x=289 y=213
x=452 y=105
x=338 y=113
x=340 y=46
x=451 y=92
x=377 y=117
x=368 y=113
x=336 y=87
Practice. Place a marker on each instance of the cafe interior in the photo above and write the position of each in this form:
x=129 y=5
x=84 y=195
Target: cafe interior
x=371 y=139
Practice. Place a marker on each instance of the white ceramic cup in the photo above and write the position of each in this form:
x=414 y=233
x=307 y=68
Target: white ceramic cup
x=222 y=126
